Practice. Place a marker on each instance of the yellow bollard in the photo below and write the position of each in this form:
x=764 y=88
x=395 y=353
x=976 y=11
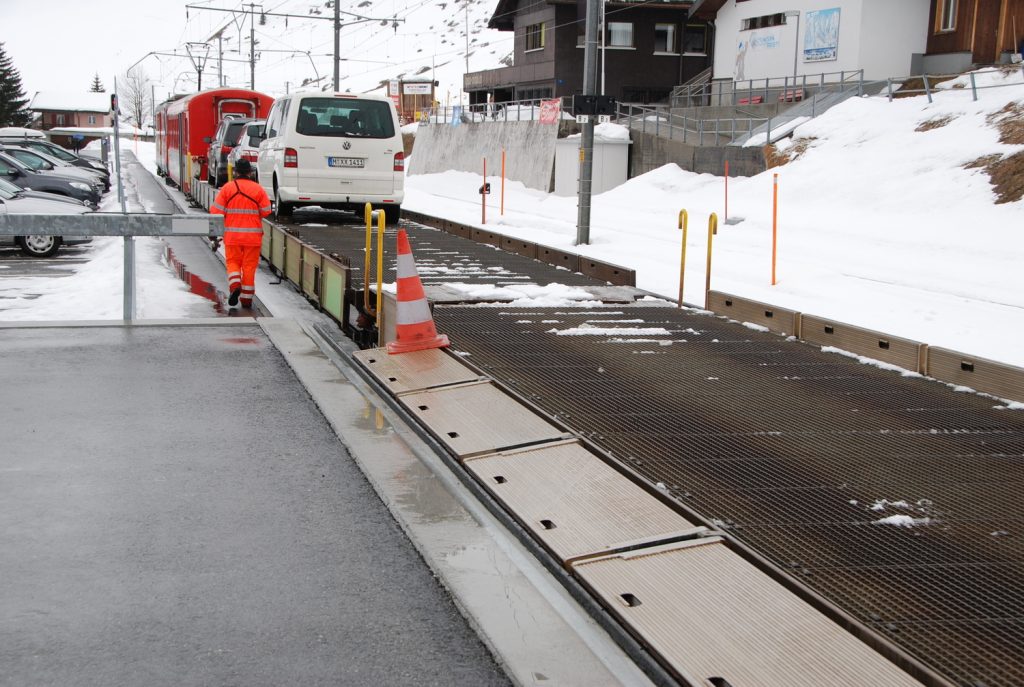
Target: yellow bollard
x=231 y=170
x=712 y=230
x=186 y=183
x=683 y=221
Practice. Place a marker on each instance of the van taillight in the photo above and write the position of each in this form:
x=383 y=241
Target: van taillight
x=291 y=157
x=399 y=162
x=224 y=150
x=251 y=157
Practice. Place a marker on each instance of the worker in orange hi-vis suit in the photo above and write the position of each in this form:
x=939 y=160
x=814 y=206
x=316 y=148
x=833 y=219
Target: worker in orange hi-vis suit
x=244 y=204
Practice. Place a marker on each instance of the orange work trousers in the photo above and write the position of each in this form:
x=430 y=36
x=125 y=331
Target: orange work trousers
x=242 y=262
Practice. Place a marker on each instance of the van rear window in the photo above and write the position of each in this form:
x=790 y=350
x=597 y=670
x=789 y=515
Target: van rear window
x=345 y=117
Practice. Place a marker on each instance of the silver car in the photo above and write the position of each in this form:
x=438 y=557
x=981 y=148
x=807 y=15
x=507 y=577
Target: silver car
x=14 y=199
x=248 y=146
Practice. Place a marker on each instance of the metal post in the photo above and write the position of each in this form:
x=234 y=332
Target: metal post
x=252 y=45
x=974 y=88
x=587 y=141
x=129 y=245
x=927 y=87
x=337 y=44
x=712 y=230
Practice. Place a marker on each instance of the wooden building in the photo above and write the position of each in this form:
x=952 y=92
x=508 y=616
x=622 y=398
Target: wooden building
x=982 y=31
x=650 y=47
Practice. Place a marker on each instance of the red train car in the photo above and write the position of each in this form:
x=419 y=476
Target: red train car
x=182 y=124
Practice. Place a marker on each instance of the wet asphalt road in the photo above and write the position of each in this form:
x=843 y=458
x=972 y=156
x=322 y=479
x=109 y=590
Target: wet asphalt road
x=174 y=510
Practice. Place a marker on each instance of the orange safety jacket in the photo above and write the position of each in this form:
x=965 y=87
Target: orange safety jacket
x=243 y=203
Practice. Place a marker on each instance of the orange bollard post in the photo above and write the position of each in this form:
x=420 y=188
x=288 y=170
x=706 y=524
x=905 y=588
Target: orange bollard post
x=502 y=182
x=775 y=222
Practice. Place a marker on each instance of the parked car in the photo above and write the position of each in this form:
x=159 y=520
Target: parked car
x=16 y=200
x=41 y=161
x=223 y=141
x=51 y=181
x=248 y=146
x=333 y=150
x=62 y=154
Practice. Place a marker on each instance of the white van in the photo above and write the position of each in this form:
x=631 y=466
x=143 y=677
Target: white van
x=335 y=151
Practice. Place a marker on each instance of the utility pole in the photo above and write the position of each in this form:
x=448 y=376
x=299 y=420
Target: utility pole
x=467 y=36
x=587 y=142
x=252 y=46
x=337 y=44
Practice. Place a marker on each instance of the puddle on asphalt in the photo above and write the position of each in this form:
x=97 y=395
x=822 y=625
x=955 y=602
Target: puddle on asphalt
x=197 y=285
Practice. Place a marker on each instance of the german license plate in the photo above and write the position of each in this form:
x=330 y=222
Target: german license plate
x=345 y=162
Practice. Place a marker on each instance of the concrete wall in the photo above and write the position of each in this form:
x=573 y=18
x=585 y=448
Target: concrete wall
x=529 y=150
x=650 y=152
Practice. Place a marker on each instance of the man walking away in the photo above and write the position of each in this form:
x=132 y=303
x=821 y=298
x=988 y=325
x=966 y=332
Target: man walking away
x=244 y=204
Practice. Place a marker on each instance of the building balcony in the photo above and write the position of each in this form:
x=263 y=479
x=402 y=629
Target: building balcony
x=507 y=77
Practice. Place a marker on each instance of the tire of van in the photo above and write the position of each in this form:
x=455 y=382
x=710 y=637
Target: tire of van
x=282 y=210
x=392 y=213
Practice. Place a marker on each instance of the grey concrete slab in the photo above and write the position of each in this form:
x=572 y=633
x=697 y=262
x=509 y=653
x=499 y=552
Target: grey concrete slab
x=174 y=510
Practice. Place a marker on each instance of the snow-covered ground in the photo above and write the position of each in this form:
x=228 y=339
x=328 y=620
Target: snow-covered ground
x=879 y=225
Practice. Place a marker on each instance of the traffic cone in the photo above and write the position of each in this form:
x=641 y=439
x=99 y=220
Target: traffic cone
x=414 y=325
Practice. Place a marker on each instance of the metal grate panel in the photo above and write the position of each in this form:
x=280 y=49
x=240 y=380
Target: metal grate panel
x=414 y=371
x=479 y=418
x=573 y=502
x=790 y=449
x=710 y=614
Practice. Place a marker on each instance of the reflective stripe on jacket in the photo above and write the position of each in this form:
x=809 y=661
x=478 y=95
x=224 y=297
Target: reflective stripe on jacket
x=244 y=204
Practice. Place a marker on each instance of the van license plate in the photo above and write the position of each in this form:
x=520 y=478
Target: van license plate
x=345 y=162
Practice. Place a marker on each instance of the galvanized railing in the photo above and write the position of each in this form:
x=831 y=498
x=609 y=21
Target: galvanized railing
x=510 y=111
x=929 y=82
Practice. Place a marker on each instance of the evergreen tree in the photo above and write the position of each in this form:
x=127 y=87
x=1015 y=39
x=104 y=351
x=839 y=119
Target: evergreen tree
x=97 y=85
x=12 y=97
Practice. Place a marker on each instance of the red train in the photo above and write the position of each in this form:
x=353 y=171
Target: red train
x=182 y=124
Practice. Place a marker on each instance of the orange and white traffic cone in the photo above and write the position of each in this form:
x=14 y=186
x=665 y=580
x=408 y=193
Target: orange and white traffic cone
x=414 y=325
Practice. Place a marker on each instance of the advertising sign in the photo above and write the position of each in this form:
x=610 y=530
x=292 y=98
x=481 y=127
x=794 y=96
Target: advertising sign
x=755 y=41
x=549 y=110
x=418 y=88
x=821 y=37
x=393 y=87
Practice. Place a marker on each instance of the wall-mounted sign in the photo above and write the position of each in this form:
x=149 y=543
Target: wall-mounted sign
x=821 y=37
x=393 y=87
x=755 y=41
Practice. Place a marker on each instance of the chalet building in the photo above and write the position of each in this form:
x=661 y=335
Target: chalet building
x=973 y=32
x=650 y=47
x=75 y=110
x=762 y=39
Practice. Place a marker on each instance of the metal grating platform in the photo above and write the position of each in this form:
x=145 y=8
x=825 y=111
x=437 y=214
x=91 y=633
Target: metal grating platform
x=574 y=503
x=441 y=258
x=812 y=459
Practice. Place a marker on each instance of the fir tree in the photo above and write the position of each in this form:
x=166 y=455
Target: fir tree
x=97 y=85
x=12 y=97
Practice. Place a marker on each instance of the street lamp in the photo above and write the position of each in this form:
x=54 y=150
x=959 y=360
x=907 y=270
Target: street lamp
x=796 y=39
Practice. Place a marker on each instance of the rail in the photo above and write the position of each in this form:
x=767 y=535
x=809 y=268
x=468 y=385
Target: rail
x=960 y=81
x=660 y=121
x=507 y=111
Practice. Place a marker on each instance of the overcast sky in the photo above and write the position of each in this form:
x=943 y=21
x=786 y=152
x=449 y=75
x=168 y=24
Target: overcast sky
x=59 y=45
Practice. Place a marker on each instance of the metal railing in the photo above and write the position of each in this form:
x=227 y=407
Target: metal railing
x=661 y=121
x=962 y=81
x=510 y=111
x=127 y=225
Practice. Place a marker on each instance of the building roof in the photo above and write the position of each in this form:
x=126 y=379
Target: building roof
x=706 y=9
x=70 y=101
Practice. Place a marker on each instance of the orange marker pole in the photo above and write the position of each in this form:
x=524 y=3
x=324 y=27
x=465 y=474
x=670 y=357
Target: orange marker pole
x=712 y=230
x=775 y=221
x=483 y=196
x=502 y=182
x=725 y=215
